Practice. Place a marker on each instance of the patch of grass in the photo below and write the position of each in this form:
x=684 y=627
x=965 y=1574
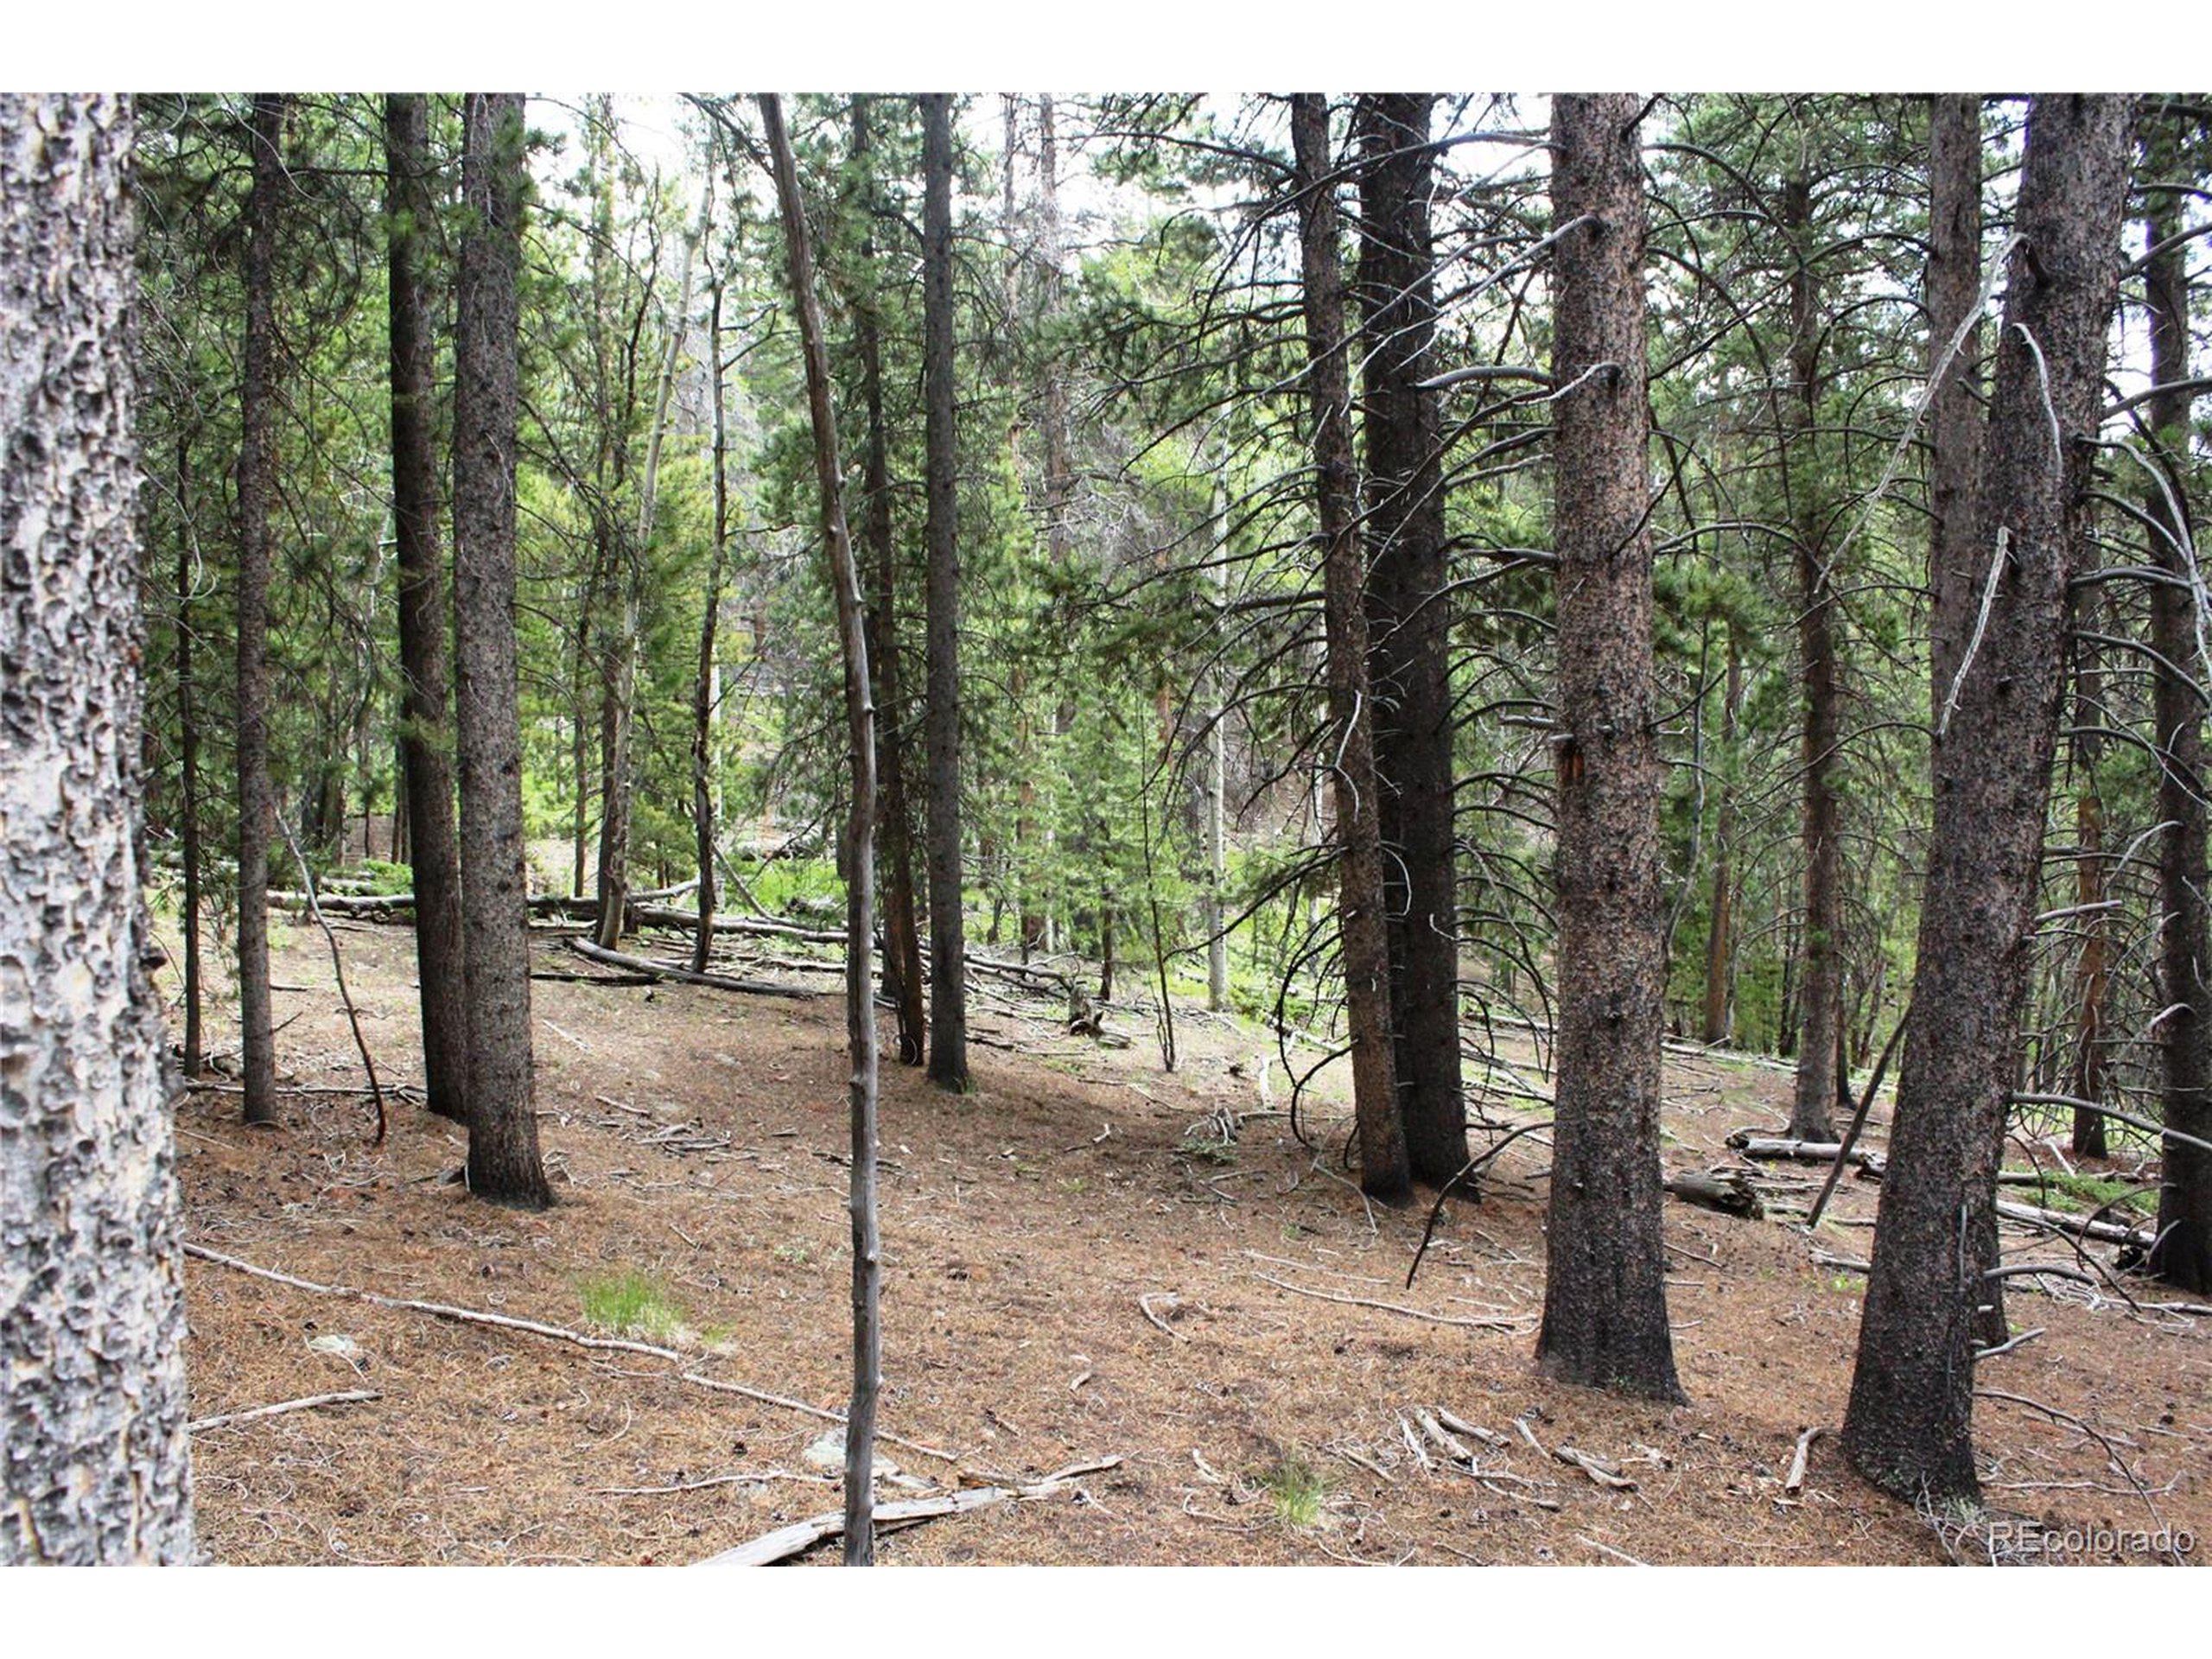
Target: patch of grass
x=795 y=1253
x=2082 y=1194
x=1848 y=1284
x=1205 y=1149
x=1297 y=1490
x=631 y=1304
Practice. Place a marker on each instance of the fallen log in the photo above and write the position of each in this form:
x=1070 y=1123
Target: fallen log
x=649 y=915
x=1775 y=1149
x=623 y=959
x=2105 y=1232
x=1731 y=1194
x=349 y=1396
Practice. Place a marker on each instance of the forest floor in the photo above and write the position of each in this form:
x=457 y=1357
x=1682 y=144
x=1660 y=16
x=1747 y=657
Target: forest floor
x=1086 y=1258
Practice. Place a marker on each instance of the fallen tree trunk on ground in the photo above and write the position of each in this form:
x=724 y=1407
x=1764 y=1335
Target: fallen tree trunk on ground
x=2105 y=1232
x=1731 y=1194
x=623 y=959
x=1775 y=1148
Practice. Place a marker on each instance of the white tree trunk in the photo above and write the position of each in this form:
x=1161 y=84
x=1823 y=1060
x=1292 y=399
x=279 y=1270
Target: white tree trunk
x=92 y=1317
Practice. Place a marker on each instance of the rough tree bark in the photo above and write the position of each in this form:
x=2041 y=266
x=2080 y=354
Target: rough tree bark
x=1719 y=946
x=1383 y=1171
x=1409 y=622
x=859 y=849
x=2183 y=1253
x=257 y=483
x=1908 y=1426
x=948 y=934
x=1820 y=1008
x=94 y=1467
x=187 y=724
x=503 y=1157
x=902 y=957
x=426 y=735
x=1605 y=1302
x=2092 y=969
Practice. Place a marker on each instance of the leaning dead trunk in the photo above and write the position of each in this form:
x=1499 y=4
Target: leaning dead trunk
x=1908 y=1427
x=1604 y=1300
x=1383 y=1172
x=860 y=839
x=92 y=1311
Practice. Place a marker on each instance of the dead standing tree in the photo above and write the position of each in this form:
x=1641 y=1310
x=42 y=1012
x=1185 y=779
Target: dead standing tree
x=860 y=842
x=1908 y=1427
x=1383 y=1171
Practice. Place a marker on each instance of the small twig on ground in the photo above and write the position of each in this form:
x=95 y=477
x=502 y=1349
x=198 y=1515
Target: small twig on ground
x=1144 y=1305
x=1607 y=1550
x=345 y=1397
x=1393 y=1307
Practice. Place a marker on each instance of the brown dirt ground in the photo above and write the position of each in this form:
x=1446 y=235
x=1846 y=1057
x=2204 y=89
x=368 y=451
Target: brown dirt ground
x=1022 y=1224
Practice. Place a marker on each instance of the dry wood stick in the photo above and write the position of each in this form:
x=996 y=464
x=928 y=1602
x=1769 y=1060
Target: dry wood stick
x=1858 y=1122
x=338 y=967
x=1795 y=1480
x=1393 y=1307
x=553 y=1332
x=349 y=1397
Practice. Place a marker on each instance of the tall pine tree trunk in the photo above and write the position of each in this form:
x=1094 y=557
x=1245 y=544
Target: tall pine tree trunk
x=948 y=934
x=257 y=483
x=503 y=1157
x=187 y=722
x=426 y=736
x=2092 y=971
x=704 y=685
x=1604 y=1301
x=1908 y=1427
x=1719 y=943
x=2183 y=1254
x=1821 y=1006
x=902 y=957
x=95 y=1468
x=1409 y=621
x=1383 y=1171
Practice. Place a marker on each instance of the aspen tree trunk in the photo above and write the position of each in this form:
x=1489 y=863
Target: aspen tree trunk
x=256 y=483
x=93 y=1457
x=426 y=735
x=859 y=849
x=948 y=934
x=1821 y=1006
x=1383 y=1171
x=503 y=1157
x=2183 y=1254
x=1908 y=1426
x=1604 y=1300
x=902 y=958
x=1409 y=623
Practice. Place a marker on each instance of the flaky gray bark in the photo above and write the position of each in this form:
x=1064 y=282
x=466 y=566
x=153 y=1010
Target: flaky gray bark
x=1908 y=1426
x=426 y=737
x=1604 y=1300
x=256 y=485
x=1383 y=1172
x=860 y=841
x=503 y=1157
x=947 y=931
x=93 y=1464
